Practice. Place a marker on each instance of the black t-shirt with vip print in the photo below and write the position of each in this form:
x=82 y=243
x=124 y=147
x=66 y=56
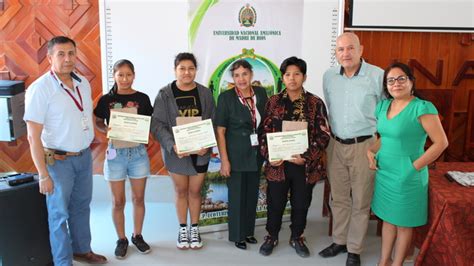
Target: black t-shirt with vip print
x=109 y=101
x=188 y=102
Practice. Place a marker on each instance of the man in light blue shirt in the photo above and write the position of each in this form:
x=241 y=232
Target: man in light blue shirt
x=351 y=90
x=58 y=114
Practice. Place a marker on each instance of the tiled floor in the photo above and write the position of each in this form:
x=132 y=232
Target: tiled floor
x=160 y=231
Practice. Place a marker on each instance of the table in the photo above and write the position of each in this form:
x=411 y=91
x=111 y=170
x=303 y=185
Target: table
x=448 y=237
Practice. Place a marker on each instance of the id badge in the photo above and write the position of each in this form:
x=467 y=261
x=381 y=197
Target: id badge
x=254 y=139
x=84 y=121
x=111 y=153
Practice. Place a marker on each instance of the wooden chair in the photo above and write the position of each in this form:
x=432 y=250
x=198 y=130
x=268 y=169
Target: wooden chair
x=328 y=213
x=469 y=143
x=443 y=100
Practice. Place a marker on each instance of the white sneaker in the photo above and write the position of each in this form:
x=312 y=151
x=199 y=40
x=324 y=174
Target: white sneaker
x=196 y=242
x=183 y=241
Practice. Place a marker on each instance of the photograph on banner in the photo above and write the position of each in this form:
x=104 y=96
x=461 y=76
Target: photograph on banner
x=222 y=32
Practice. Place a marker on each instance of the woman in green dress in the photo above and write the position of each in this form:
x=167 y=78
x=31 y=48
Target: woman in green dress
x=239 y=114
x=401 y=182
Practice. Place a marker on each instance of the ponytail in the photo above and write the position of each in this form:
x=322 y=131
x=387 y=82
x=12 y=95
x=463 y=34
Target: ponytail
x=113 y=90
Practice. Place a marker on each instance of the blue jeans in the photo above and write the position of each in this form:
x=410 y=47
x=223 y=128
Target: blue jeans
x=68 y=207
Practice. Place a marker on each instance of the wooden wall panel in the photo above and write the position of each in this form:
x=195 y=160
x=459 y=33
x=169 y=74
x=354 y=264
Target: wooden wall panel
x=429 y=49
x=25 y=28
x=381 y=48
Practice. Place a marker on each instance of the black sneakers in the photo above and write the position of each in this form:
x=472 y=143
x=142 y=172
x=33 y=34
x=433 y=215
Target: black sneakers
x=195 y=238
x=268 y=244
x=141 y=245
x=300 y=246
x=183 y=240
x=121 y=248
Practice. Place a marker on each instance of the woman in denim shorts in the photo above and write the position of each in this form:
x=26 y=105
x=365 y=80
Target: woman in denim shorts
x=125 y=159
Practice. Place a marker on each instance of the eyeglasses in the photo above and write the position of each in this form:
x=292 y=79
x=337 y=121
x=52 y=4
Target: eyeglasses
x=401 y=80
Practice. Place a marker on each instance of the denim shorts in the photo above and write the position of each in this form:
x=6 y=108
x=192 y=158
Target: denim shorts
x=128 y=162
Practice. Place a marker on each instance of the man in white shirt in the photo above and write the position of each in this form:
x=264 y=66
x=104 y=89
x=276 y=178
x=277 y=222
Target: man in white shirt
x=58 y=114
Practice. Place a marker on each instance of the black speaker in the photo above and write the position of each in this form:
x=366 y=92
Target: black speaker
x=24 y=234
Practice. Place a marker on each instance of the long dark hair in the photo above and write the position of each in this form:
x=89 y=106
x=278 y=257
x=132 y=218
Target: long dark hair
x=407 y=70
x=120 y=63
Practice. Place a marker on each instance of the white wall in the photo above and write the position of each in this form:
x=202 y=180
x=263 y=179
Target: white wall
x=151 y=33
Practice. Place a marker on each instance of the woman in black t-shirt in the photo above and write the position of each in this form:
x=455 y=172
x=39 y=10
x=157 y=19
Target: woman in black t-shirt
x=183 y=98
x=125 y=159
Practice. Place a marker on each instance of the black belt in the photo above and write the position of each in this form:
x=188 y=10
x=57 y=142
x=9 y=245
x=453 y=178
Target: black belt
x=66 y=153
x=353 y=140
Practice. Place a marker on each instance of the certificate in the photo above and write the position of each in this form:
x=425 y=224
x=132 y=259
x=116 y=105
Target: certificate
x=194 y=136
x=129 y=127
x=120 y=143
x=283 y=145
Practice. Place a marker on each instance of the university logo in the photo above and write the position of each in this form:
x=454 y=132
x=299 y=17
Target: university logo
x=247 y=16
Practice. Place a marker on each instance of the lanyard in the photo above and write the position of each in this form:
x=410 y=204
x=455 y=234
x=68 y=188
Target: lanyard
x=250 y=106
x=79 y=106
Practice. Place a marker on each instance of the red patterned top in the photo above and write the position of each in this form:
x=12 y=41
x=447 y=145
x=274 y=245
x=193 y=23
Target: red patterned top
x=318 y=133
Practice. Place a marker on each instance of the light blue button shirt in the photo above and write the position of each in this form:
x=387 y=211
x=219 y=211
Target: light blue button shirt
x=65 y=127
x=351 y=101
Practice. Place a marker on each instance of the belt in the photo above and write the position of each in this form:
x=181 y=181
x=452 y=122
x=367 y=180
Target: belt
x=65 y=153
x=353 y=140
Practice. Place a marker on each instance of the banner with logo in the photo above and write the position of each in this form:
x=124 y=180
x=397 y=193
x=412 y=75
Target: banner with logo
x=220 y=32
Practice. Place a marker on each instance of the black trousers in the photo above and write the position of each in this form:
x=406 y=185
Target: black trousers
x=243 y=195
x=301 y=195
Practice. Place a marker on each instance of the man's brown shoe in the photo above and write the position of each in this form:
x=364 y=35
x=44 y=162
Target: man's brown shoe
x=90 y=258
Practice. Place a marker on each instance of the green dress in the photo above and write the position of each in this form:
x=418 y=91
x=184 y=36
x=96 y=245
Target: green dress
x=401 y=192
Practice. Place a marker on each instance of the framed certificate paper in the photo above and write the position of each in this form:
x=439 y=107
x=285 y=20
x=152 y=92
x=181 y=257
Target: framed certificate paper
x=283 y=145
x=129 y=127
x=194 y=136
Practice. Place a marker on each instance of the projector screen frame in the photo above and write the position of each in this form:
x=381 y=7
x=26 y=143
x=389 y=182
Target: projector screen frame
x=351 y=27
